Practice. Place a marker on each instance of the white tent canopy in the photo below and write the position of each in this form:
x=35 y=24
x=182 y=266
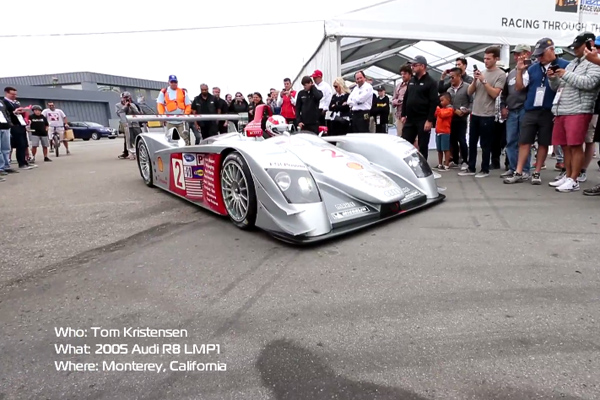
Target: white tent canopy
x=380 y=38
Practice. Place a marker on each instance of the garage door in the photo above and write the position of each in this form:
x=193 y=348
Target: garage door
x=84 y=111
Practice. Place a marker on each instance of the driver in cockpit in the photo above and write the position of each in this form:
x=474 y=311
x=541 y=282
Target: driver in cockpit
x=277 y=125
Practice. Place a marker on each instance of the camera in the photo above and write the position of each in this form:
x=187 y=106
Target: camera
x=527 y=62
x=554 y=67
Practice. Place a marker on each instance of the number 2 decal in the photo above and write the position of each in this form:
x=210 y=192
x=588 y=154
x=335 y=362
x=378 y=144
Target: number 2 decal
x=333 y=153
x=178 y=180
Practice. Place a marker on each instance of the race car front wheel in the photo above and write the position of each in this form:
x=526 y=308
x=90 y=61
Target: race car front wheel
x=238 y=191
x=144 y=163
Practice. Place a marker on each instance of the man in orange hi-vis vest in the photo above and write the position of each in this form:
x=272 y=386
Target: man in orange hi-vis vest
x=173 y=100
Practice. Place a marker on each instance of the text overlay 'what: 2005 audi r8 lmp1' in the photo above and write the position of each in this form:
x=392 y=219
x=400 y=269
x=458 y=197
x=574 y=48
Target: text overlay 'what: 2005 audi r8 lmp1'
x=297 y=186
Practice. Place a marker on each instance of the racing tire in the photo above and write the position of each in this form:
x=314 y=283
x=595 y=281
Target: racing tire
x=144 y=162
x=95 y=136
x=237 y=188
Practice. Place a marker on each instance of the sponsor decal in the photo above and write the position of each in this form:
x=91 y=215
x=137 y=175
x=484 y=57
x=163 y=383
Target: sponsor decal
x=159 y=162
x=353 y=165
x=392 y=192
x=189 y=159
x=200 y=159
x=375 y=180
x=343 y=206
x=198 y=172
x=409 y=194
x=350 y=213
x=277 y=164
x=570 y=6
x=162 y=180
x=187 y=172
x=176 y=177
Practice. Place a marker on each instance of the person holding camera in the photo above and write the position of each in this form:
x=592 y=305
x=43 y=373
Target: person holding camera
x=577 y=88
x=287 y=102
x=308 y=112
x=538 y=120
x=131 y=129
x=512 y=108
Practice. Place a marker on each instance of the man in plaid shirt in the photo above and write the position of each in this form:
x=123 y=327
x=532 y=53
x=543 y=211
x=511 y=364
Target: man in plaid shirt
x=398 y=98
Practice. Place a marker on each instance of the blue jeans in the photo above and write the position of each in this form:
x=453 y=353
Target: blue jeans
x=558 y=152
x=5 y=149
x=482 y=131
x=513 y=133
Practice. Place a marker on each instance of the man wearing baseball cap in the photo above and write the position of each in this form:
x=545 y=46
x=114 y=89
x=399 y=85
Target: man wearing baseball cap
x=327 y=91
x=537 y=122
x=418 y=109
x=577 y=88
x=512 y=107
x=380 y=110
x=173 y=100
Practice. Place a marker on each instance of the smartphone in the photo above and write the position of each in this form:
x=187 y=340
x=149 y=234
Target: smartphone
x=589 y=44
x=554 y=67
x=527 y=62
x=474 y=67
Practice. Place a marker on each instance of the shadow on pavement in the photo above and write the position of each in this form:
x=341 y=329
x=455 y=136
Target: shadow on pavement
x=293 y=372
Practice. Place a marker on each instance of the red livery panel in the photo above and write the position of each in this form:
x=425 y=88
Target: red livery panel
x=213 y=198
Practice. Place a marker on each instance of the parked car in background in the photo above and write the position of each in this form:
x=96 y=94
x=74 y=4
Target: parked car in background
x=91 y=130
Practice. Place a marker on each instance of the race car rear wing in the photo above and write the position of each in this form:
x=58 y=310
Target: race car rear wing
x=186 y=118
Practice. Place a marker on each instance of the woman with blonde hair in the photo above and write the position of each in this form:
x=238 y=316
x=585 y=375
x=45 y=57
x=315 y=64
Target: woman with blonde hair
x=340 y=118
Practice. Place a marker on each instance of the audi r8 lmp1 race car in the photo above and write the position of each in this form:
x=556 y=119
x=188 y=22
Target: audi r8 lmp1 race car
x=297 y=187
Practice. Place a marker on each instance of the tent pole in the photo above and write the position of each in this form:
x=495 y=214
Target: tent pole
x=505 y=55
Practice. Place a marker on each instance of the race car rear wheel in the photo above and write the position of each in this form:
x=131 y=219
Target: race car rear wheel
x=238 y=191
x=144 y=163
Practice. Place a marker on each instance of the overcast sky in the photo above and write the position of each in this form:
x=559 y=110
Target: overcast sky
x=242 y=59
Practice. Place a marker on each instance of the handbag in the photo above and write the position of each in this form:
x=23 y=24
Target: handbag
x=69 y=135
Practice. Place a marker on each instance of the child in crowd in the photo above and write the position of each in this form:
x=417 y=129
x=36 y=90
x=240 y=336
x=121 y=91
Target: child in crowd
x=444 y=114
x=39 y=133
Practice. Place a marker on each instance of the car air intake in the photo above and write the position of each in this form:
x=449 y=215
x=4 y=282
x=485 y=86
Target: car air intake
x=390 y=209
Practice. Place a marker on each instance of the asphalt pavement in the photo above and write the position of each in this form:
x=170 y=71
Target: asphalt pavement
x=493 y=294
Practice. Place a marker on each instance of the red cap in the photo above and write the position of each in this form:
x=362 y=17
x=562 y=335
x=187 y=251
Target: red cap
x=317 y=74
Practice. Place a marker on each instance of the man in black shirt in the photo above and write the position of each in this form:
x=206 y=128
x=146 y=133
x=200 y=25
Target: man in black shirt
x=18 y=131
x=222 y=108
x=39 y=127
x=307 y=106
x=380 y=110
x=205 y=104
x=5 y=149
x=418 y=107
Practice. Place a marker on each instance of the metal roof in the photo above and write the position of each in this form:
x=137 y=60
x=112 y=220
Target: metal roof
x=79 y=77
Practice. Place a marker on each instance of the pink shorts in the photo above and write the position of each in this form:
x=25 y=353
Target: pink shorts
x=570 y=130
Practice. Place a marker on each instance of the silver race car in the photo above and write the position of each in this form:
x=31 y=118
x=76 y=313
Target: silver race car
x=297 y=186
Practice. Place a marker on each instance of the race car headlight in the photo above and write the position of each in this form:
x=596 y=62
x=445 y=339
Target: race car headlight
x=283 y=180
x=419 y=165
x=297 y=186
